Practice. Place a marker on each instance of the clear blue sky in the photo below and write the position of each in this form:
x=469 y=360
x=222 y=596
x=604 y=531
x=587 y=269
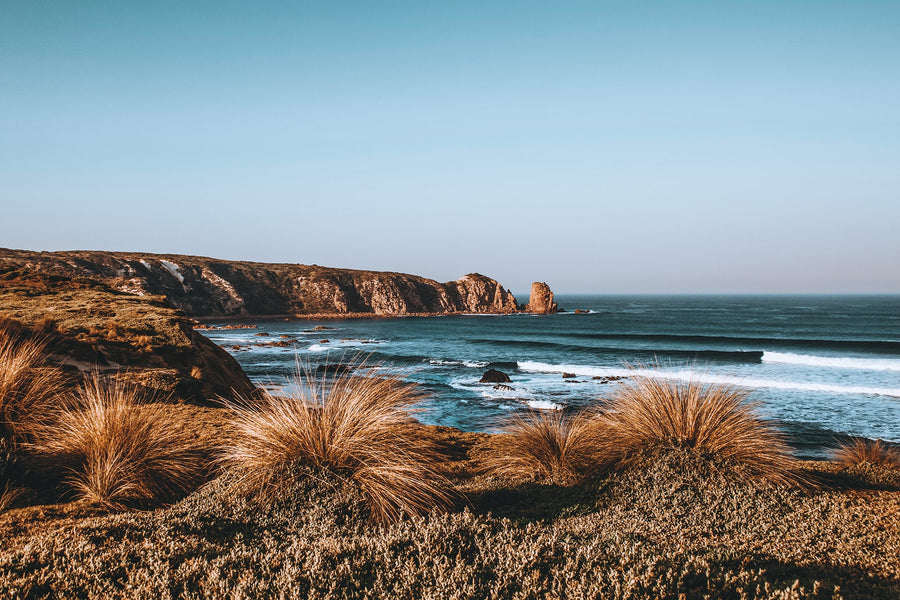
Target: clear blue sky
x=601 y=147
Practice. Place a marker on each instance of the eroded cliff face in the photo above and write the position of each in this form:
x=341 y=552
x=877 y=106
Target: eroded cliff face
x=89 y=326
x=202 y=286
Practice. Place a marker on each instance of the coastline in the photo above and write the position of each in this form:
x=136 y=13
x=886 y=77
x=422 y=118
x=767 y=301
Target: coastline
x=344 y=316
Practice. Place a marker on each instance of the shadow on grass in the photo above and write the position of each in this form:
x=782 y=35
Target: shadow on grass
x=860 y=478
x=528 y=502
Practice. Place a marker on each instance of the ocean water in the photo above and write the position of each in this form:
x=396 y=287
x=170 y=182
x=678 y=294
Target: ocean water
x=821 y=367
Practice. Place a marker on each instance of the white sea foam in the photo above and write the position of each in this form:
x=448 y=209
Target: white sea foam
x=490 y=392
x=474 y=364
x=543 y=405
x=317 y=348
x=701 y=377
x=837 y=362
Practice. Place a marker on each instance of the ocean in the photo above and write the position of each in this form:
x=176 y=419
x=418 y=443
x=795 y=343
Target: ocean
x=820 y=367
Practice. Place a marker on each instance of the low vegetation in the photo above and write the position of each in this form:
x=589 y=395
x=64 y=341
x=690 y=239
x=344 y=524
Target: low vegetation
x=118 y=449
x=645 y=417
x=876 y=453
x=28 y=388
x=648 y=415
x=548 y=446
x=356 y=425
x=339 y=487
x=673 y=528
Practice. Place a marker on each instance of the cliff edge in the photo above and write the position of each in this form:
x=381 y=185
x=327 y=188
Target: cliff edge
x=208 y=287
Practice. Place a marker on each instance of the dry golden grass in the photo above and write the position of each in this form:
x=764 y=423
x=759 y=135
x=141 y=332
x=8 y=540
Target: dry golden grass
x=354 y=424
x=649 y=414
x=119 y=449
x=27 y=388
x=8 y=496
x=547 y=446
x=873 y=452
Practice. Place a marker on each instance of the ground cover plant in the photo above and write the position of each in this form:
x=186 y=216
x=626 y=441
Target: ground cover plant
x=355 y=424
x=677 y=527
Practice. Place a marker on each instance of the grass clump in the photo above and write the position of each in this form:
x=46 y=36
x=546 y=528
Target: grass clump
x=650 y=414
x=860 y=451
x=355 y=425
x=27 y=387
x=118 y=448
x=547 y=446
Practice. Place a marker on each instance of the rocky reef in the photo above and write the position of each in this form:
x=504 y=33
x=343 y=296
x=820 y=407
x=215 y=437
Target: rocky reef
x=209 y=287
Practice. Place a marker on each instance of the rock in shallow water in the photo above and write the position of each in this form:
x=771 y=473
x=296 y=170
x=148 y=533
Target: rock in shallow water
x=494 y=376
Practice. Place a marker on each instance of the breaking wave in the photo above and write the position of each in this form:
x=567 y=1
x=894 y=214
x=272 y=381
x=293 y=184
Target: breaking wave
x=838 y=362
x=700 y=376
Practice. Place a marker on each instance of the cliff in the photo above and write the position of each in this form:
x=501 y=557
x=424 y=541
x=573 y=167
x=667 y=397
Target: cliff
x=91 y=326
x=206 y=287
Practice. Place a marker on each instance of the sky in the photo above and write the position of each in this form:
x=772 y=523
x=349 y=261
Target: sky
x=602 y=147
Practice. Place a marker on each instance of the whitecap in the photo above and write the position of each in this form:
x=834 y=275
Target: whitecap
x=837 y=362
x=543 y=405
x=701 y=377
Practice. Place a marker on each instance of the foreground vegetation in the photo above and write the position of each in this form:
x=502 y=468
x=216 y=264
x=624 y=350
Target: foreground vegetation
x=672 y=491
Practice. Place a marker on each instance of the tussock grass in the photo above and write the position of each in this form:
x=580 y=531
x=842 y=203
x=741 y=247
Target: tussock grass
x=8 y=496
x=861 y=451
x=27 y=388
x=353 y=424
x=648 y=414
x=118 y=449
x=548 y=446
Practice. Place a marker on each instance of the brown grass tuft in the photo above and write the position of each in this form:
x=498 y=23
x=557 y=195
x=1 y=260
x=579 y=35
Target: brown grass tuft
x=547 y=446
x=718 y=421
x=355 y=425
x=8 y=496
x=120 y=450
x=861 y=451
x=27 y=388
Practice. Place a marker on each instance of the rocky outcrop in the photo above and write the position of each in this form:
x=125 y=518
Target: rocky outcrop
x=202 y=286
x=494 y=376
x=90 y=326
x=541 y=301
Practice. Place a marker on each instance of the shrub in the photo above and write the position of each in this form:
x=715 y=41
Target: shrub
x=27 y=388
x=352 y=424
x=648 y=414
x=860 y=451
x=118 y=448
x=548 y=446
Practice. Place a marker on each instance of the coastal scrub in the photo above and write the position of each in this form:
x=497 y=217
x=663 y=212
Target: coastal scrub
x=118 y=449
x=354 y=424
x=650 y=414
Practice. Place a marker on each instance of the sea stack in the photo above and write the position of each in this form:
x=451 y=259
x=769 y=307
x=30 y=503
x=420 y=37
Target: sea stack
x=541 y=300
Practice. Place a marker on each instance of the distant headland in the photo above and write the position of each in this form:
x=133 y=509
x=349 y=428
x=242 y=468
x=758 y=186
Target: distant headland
x=208 y=287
